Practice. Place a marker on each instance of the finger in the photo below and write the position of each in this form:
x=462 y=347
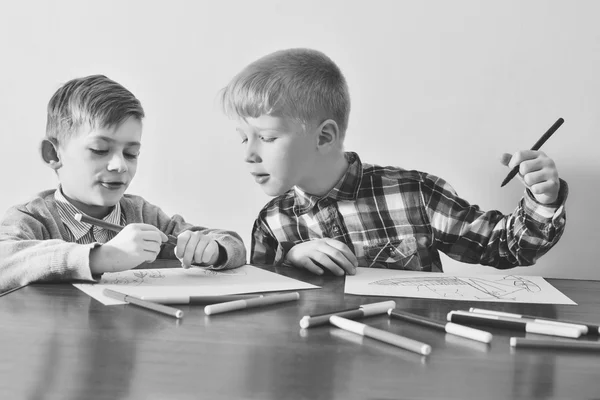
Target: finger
x=211 y=253
x=532 y=165
x=153 y=247
x=182 y=241
x=190 y=249
x=150 y=255
x=163 y=237
x=200 y=249
x=339 y=259
x=151 y=236
x=522 y=155
x=505 y=158
x=324 y=261
x=542 y=187
x=145 y=228
x=309 y=265
x=533 y=178
x=344 y=249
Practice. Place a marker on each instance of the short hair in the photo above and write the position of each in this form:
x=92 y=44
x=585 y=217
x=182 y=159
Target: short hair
x=303 y=84
x=95 y=100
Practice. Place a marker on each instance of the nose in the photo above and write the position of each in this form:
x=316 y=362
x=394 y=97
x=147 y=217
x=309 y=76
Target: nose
x=117 y=163
x=251 y=154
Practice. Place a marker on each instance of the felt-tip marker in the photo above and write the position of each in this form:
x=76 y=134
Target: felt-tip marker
x=449 y=327
x=365 y=310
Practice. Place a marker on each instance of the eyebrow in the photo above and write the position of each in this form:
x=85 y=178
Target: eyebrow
x=260 y=130
x=111 y=140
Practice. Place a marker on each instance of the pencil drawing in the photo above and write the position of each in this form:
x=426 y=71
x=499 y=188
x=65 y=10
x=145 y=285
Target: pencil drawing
x=149 y=276
x=506 y=287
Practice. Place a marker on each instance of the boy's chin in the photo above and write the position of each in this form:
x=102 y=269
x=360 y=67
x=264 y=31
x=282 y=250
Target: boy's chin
x=105 y=201
x=274 y=192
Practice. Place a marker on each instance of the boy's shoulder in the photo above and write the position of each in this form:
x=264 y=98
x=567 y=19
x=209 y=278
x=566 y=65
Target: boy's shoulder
x=40 y=201
x=393 y=173
x=39 y=207
x=397 y=175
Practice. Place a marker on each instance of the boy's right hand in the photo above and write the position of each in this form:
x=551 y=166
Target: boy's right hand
x=135 y=244
x=319 y=254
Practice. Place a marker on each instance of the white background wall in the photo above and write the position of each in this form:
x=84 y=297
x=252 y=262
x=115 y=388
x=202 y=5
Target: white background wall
x=441 y=86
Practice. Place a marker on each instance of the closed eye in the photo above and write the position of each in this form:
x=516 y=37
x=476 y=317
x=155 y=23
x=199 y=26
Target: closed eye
x=132 y=156
x=98 y=151
x=267 y=139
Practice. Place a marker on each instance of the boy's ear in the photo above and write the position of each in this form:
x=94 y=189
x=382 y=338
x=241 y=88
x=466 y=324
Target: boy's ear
x=328 y=133
x=49 y=150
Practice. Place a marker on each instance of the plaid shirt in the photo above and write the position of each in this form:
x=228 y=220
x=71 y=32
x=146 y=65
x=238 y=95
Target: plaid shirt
x=394 y=218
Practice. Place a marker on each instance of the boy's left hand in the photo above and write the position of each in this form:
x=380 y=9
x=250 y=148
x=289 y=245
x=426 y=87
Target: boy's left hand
x=538 y=173
x=196 y=248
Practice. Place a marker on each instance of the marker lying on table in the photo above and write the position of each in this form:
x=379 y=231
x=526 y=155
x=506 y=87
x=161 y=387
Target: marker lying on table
x=365 y=310
x=199 y=299
x=450 y=327
x=13 y=290
x=174 y=312
x=586 y=329
x=494 y=321
x=113 y=227
x=384 y=336
x=256 y=302
x=555 y=344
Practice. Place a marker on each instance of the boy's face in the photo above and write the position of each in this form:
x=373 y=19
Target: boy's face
x=278 y=153
x=98 y=165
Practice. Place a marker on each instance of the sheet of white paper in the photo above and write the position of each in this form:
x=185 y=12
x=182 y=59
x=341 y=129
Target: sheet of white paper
x=190 y=282
x=435 y=285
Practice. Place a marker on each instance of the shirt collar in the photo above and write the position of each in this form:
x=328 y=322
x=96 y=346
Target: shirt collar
x=79 y=229
x=345 y=189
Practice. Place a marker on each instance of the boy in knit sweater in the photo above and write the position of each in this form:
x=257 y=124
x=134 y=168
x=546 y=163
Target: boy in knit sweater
x=93 y=139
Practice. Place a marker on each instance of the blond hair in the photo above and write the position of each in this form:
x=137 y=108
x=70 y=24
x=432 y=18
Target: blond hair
x=302 y=84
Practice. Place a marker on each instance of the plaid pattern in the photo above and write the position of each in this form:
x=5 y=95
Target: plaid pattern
x=81 y=232
x=399 y=219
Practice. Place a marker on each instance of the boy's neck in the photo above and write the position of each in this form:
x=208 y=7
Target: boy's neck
x=327 y=174
x=98 y=212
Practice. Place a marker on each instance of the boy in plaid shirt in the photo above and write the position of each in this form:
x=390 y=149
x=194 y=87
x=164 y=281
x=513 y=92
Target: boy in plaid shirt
x=333 y=212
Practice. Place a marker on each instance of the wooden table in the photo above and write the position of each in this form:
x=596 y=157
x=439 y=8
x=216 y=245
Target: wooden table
x=58 y=343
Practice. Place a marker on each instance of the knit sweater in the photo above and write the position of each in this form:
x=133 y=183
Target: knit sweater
x=35 y=247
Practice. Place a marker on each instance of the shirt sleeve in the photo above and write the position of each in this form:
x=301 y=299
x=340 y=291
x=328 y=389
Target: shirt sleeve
x=468 y=234
x=265 y=249
x=229 y=241
x=28 y=254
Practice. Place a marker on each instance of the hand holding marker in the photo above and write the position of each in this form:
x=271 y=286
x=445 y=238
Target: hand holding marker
x=536 y=146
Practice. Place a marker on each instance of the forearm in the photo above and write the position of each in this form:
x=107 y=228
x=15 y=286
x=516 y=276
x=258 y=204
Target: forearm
x=502 y=241
x=26 y=261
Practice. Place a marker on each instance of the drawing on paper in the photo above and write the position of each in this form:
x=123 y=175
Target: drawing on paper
x=135 y=277
x=148 y=276
x=452 y=287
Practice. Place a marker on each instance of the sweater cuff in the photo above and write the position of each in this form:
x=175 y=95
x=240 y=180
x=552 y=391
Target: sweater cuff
x=74 y=263
x=232 y=253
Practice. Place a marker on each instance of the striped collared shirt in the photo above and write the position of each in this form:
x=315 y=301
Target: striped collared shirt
x=81 y=232
x=394 y=218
